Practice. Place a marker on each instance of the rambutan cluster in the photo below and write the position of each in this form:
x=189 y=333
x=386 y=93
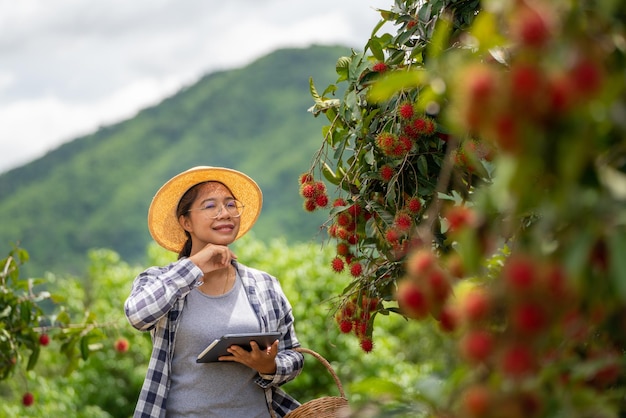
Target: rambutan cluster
x=501 y=105
x=313 y=192
x=354 y=316
x=469 y=154
x=398 y=235
x=345 y=229
x=509 y=329
x=519 y=298
x=426 y=287
x=392 y=145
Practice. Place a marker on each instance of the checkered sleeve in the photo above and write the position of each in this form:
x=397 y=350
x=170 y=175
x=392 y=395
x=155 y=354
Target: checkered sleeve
x=156 y=290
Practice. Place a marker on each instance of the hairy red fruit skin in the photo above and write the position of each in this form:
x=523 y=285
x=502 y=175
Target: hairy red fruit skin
x=386 y=173
x=337 y=264
x=309 y=205
x=307 y=191
x=345 y=326
x=367 y=345
x=406 y=111
x=305 y=178
x=321 y=201
x=356 y=269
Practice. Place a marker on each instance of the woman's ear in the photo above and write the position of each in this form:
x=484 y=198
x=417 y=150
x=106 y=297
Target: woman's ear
x=185 y=222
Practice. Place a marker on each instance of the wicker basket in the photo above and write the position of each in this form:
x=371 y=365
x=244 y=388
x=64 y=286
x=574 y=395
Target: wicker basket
x=327 y=406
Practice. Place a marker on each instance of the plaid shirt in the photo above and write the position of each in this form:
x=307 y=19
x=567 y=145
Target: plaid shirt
x=155 y=303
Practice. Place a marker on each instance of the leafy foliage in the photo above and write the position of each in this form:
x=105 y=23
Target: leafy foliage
x=388 y=373
x=515 y=248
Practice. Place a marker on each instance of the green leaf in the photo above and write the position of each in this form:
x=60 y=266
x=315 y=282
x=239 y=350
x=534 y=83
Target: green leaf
x=84 y=347
x=390 y=84
x=34 y=356
x=342 y=68
x=439 y=40
x=485 y=31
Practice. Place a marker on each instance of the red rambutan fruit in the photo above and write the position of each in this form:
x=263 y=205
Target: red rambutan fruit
x=403 y=221
x=345 y=326
x=529 y=318
x=520 y=273
x=337 y=264
x=356 y=269
x=307 y=190
x=412 y=300
x=28 y=399
x=438 y=285
x=305 y=178
x=392 y=236
x=321 y=200
x=477 y=345
x=448 y=319
x=420 y=261
x=476 y=401
x=344 y=219
x=367 y=345
x=309 y=205
x=44 y=339
x=355 y=210
x=387 y=173
x=343 y=249
x=406 y=110
x=414 y=205
x=386 y=142
x=517 y=361
x=531 y=27
x=380 y=67
x=476 y=305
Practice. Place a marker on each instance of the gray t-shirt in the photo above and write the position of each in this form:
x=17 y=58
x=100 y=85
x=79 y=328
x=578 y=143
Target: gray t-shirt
x=223 y=389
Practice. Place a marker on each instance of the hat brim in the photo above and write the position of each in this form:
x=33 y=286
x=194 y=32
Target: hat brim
x=162 y=221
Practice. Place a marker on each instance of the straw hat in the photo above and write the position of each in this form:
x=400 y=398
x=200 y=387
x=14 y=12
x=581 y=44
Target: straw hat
x=162 y=221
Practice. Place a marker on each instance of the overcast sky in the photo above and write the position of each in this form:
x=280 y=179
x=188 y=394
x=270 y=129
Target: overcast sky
x=70 y=66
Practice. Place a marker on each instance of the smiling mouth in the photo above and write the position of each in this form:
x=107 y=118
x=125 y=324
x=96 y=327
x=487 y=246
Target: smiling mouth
x=224 y=228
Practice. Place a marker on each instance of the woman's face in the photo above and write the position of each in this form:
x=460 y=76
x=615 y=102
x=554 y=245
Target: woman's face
x=203 y=228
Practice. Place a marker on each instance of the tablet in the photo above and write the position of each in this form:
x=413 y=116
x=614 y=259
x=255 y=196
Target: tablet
x=218 y=347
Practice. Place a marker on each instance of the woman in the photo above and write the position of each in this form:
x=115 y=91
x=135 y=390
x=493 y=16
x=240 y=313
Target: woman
x=205 y=294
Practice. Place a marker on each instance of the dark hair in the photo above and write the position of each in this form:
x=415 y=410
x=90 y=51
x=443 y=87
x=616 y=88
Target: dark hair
x=184 y=204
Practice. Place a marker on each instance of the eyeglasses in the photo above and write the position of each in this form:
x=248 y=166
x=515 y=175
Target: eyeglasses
x=212 y=209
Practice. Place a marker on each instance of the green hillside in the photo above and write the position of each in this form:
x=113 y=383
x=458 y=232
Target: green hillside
x=95 y=191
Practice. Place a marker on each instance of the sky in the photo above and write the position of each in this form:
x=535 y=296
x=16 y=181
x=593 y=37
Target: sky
x=68 y=67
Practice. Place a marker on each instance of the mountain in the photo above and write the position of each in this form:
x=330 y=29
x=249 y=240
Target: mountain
x=94 y=191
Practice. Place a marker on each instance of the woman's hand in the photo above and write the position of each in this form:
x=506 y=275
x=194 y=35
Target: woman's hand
x=213 y=257
x=263 y=361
